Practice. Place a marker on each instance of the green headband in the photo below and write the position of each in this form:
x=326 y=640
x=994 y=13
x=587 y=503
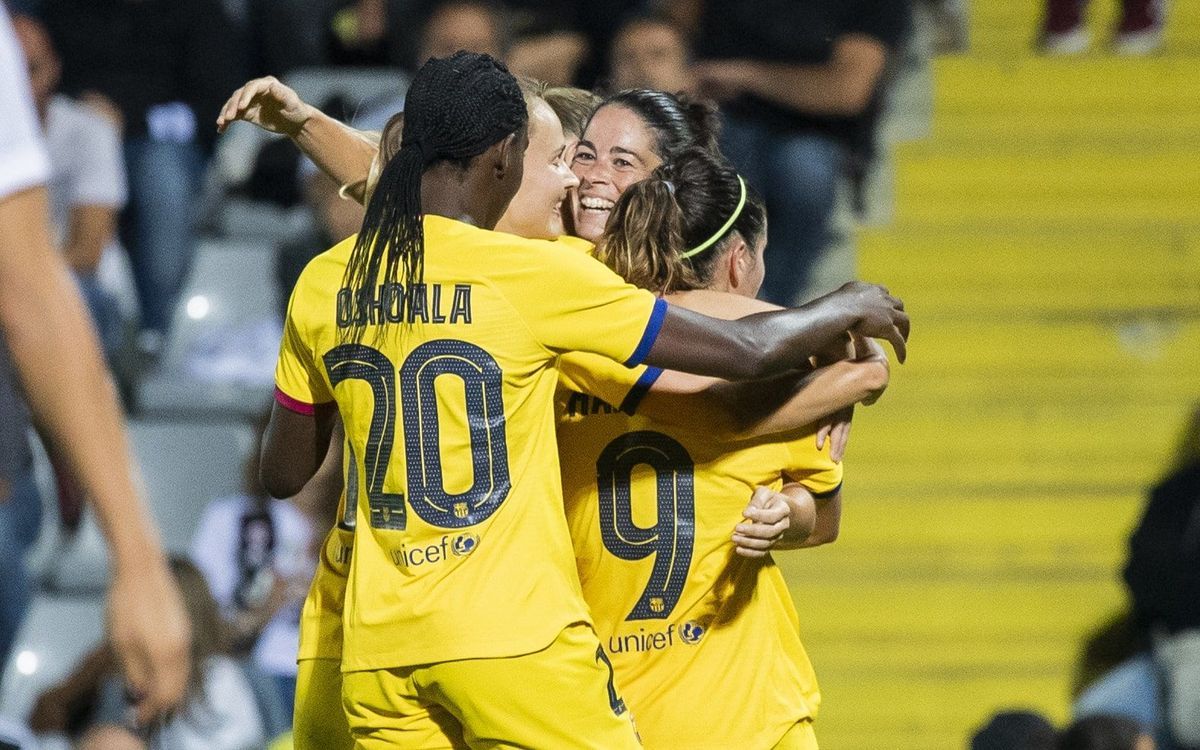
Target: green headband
x=724 y=228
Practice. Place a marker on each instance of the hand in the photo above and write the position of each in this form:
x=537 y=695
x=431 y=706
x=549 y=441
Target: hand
x=767 y=516
x=723 y=79
x=836 y=429
x=879 y=314
x=267 y=103
x=149 y=631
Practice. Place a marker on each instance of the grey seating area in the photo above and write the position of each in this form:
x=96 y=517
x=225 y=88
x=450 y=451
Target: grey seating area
x=58 y=631
x=183 y=464
x=220 y=354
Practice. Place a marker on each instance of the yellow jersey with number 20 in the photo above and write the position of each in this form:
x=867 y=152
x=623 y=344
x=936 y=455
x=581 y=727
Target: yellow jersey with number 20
x=461 y=547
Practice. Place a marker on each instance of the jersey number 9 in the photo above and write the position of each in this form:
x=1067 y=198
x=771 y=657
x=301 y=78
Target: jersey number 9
x=670 y=538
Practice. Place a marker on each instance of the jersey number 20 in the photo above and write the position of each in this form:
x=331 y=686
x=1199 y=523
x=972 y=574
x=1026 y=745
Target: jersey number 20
x=670 y=538
x=482 y=381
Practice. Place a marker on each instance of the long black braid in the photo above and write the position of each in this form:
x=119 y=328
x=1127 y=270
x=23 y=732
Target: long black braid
x=456 y=108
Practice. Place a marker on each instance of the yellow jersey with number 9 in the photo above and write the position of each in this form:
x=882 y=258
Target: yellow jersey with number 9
x=461 y=547
x=705 y=644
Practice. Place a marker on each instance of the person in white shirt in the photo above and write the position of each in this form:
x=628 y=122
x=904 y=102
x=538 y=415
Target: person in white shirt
x=258 y=555
x=87 y=177
x=56 y=360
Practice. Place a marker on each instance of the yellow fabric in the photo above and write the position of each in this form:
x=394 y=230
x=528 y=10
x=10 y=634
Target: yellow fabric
x=282 y=742
x=705 y=643
x=321 y=619
x=475 y=562
x=559 y=697
x=800 y=737
x=319 y=722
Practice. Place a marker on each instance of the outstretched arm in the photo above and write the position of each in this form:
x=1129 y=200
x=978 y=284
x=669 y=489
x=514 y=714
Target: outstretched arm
x=770 y=344
x=337 y=149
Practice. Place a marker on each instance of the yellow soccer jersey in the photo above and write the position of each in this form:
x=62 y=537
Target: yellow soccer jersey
x=461 y=547
x=705 y=643
x=321 y=617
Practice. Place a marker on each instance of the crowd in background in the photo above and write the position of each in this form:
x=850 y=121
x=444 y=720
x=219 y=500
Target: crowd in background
x=127 y=92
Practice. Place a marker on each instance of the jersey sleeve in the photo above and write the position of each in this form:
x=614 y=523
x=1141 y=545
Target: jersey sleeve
x=619 y=386
x=299 y=383
x=589 y=308
x=813 y=468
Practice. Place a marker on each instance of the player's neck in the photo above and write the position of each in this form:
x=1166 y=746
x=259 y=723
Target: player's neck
x=455 y=193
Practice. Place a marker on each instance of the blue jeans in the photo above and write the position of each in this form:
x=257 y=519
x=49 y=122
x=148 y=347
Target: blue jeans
x=797 y=175
x=105 y=315
x=20 y=521
x=158 y=224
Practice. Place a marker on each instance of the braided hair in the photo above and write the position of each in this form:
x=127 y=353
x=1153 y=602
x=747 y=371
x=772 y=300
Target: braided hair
x=457 y=108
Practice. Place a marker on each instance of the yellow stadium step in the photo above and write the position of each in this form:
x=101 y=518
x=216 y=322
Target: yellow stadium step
x=1047 y=243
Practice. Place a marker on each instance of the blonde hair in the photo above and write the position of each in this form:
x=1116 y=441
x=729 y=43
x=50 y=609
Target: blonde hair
x=573 y=106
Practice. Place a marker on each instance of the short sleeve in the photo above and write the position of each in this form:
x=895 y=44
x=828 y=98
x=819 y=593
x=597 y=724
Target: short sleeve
x=813 y=468
x=589 y=308
x=885 y=20
x=99 y=172
x=299 y=383
x=23 y=160
x=619 y=386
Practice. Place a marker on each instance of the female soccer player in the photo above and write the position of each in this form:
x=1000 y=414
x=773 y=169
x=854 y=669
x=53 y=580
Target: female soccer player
x=429 y=634
x=703 y=641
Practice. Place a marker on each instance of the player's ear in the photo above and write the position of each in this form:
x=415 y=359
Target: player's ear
x=740 y=261
x=511 y=155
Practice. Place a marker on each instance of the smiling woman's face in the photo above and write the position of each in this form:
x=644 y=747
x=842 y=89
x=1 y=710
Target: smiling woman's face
x=615 y=152
x=536 y=210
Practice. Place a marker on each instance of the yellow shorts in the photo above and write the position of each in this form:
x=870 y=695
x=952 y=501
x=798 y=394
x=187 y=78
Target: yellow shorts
x=319 y=721
x=799 y=737
x=561 y=697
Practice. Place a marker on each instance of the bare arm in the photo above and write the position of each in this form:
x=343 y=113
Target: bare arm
x=827 y=524
x=92 y=228
x=337 y=149
x=294 y=447
x=74 y=402
x=769 y=344
x=843 y=86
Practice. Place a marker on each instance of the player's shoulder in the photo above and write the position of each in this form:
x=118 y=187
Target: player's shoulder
x=720 y=304
x=326 y=269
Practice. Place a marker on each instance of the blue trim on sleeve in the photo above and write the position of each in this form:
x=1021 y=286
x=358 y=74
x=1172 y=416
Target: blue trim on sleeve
x=652 y=328
x=639 y=390
x=827 y=495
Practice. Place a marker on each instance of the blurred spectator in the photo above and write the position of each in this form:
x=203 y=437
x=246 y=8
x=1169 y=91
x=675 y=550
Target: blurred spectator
x=336 y=219
x=1140 y=31
x=649 y=52
x=221 y=712
x=1163 y=576
x=1106 y=733
x=801 y=85
x=1015 y=730
x=472 y=25
x=256 y=554
x=1116 y=674
x=165 y=66
x=20 y=503
x=87 y=180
